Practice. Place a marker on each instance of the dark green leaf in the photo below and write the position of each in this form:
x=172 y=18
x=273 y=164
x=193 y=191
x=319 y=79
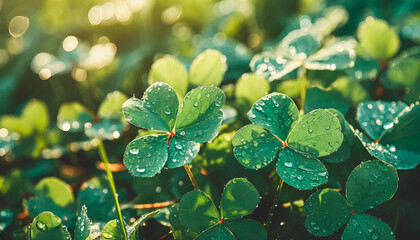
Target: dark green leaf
x=365 y=227
x=197 y=211
x=245 y=229
x=132 y=229
x=82 y=225
x=180 y=232
x=326 y=211
x=99 y=201
x=400 y=158
x=300 y=171
x=370 y=184
x=275 y=112
x=375 y=118
x=255 y=147
x=181 y=152
x=239 y=199
x=157 y=109
x=200 y=104
x=217 y=232
x=321 y=98
x=146 y=156
x=341 y=155
x=203 y=131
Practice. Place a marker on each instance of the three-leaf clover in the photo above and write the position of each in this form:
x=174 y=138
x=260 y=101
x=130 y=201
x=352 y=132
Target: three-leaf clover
x=198 y=213
x=301 y=48
x=370 y=184
x=278 y=131
x=184 y=127
x=392 y=131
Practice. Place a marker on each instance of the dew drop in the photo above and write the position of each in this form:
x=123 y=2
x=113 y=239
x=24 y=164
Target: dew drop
x=134 y=150
x=106 y=235
x=41 y=226
x=140 y=170
x=288 y=164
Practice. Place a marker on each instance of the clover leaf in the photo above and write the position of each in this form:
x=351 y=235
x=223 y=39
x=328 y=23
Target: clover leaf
x=276 y=128
x=47 y=226
x=370 y=184
x=342 y=153
x=301 y=48
x=198 y=213
x=377 y=38
x=55 y=195
x=404 y=70
x=108 y=124
x=206 y=69
x=184 y=127
x=390 y=130
x=82 y=225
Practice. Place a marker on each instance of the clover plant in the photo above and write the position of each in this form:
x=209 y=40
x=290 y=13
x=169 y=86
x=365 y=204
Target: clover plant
x=277 y=131
x=196 y=212
x=301 y=48
x=47 y=226
x=390 y=129
x=369 y=184
x=181 y=127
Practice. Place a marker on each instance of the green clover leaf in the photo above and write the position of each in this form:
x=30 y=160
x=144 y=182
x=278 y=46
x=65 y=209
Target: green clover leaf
x=275 y=128
x=301 y=48
x=363 y=226
x=344 y=151
x=207 y=69
x=83 y=223
x=404 y=70
x=47 y=226
x=196 y=120
x=72 y=117
x=391 y=129
x=370 y=184
x=55 y=195
x=198 y=213
x=378 y=38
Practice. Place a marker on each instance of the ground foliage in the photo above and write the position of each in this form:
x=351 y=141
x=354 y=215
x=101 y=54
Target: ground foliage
x=219 y=119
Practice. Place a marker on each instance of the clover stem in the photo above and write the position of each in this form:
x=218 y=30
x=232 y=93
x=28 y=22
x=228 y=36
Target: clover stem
x=193 y=181
x=274 y=204
x=302 y=90
x=104 y=157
